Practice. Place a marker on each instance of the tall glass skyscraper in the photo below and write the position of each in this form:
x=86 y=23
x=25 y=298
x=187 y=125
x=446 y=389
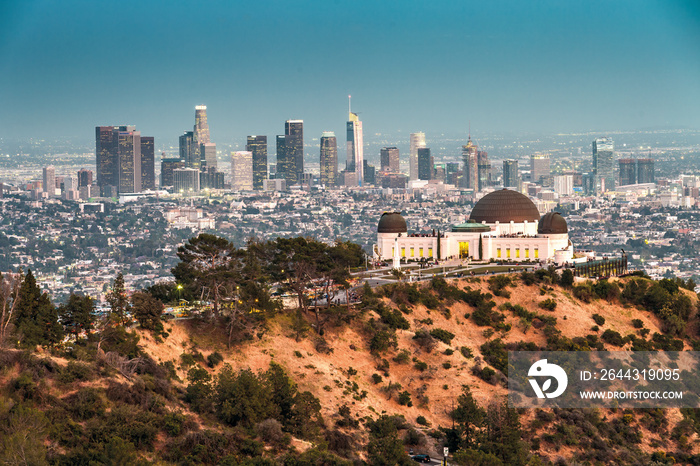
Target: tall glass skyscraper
x=355 y=147
x=470 y=164
x=417 y=141
x=148 y=163
x=645 y=171
x=425 y=164
x=122 y=167
x=290 y=152
x=628 y=171
x=603 y=155
x=201 y=126
x=389 y=158
x=510 y=174
x=257 y=145
x=329 y=159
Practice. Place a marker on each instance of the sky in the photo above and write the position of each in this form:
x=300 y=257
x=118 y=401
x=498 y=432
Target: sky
x=501 y=66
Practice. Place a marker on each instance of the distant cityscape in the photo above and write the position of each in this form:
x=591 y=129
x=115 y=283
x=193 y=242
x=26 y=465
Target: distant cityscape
x=127 y=210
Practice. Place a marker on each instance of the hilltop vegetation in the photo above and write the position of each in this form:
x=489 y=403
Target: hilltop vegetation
x=411 y=366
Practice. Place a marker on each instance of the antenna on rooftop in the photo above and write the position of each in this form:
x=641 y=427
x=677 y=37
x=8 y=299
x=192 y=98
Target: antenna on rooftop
x=349 y=103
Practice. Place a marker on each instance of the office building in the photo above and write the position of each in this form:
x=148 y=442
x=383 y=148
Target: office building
x=106 y=163
x=189 y=150
x=628 y=171
x=201 y=126
x=539 y=167
x=483 y=167
x=242 y=171
x=84 y=177
x=389 y=158
x=329 y=159
x=186 y=180
x=207 y=151
x=470 y=167
x=511 y=177
x=211 y=178
x=119 y=161
x=564 y=185
x=49 y=180
x=368 y=171
x=257 y=145
x=290 y=152
x=417 y=140
x=129 y=160
x=148 y=163
x=425 y=164
x=645 y=171
x=603 y=155
x=355 y=147
x=167 y=165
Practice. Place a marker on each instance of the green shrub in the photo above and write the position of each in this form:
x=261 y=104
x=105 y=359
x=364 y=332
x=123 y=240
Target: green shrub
x=75 y=371
x=446 y=365
x=422 y=421
x=405 y=399
x=403 y=357
x=376 y=379
x=598 y=319
x=448 y=352
x=421 y=365
x=494 y=352
x=548 y=304
x=583 y=292
x=637 y=323
x=466 y=352
x=442 y=335
x=214 y=359
x=613 y=338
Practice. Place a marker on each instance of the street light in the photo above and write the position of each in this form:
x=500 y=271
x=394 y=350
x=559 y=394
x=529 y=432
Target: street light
x=179 y=293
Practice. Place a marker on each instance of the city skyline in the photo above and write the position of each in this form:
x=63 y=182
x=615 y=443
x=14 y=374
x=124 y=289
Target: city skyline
x=506 y=74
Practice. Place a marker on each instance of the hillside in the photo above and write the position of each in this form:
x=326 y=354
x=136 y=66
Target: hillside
x=358 y=372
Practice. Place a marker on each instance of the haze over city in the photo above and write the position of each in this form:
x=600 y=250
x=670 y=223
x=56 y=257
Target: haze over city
x=506 y=66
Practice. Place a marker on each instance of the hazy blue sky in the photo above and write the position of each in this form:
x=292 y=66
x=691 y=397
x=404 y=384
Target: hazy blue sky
x=546 y=66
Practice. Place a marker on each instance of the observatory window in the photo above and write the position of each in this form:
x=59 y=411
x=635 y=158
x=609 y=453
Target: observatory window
x=527 y=253
x=498 y=253
x=420 y=252
x=413 y=252
x=430 y=252
x=403 y=252
x=517 y=253
x=537 y=253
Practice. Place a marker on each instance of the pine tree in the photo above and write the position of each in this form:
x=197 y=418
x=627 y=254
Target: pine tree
x=36 y=318
x=118 y=301
x=481 y=247
x=77 y=315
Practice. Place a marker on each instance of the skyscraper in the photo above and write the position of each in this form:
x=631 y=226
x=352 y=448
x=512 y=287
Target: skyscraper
x=242 y=171
x=186 y=180
x=603 y=155
x=483 y=169
x=84 y=177
x=167 y=166
x=470 y=170
x=201 y=126
x=539 y=167
x=257 y=145
x=355 y=146
x=49 y=181
x=564 y=185
x=129 y=159
x=645 y=171
x=628 y=171
x=188 y=150
x=425 y=164
x=510 y=174
x=417 y=141
x=389 y=157
x=207 y=151
x=369 y=172
x=329 y=159
x=106 y=152
x=290 y=152
x=148 y=163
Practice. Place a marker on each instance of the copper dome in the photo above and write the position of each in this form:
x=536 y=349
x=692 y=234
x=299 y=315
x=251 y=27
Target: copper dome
x=552 y=223
x=392 y=222
x=504 y=206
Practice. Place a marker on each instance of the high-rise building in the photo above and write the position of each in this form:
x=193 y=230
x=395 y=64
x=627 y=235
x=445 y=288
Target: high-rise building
x=355 y=147
x=510 y=174
x=167 y=166
x=84 y=177
x=470 y=167
x=189 y=150
x=417 y=141
x=369 y=172
x=588 y=183
x=290 y=152
x=603 y=155
x=645 y=171
x=242 y=171
x=539 y=167
x=425 y=164
x=207 y=151
x=329 y=159
x=107 y=165
x=49 y=182
x=211 y=178
x=148 y=163
x=389 y=157
x=201 y=126
x=257 y=145
x=564 y=185
x=628 y=171
x=129 y=159
x=186 y=180
x=483 y=169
